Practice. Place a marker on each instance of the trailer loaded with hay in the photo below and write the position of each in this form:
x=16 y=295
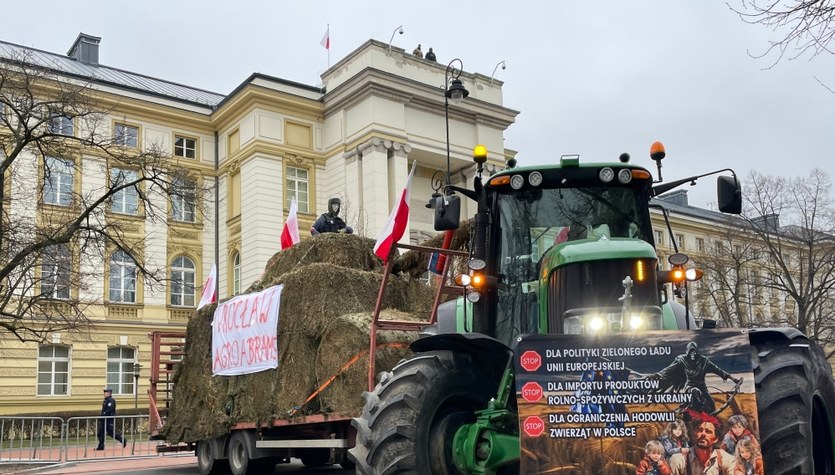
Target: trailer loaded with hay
x=322 y=295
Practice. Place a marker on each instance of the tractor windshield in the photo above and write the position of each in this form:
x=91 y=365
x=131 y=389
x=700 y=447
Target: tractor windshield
x=533 y=221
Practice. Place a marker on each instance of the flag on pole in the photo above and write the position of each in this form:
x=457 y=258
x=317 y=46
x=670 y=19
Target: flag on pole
x=290 y=234
x=326 y=40
x=209 y=289
x=396 y=225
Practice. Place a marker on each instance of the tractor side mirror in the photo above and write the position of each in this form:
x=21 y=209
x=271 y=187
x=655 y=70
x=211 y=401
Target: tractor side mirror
x=447 y=212
x=729 y=192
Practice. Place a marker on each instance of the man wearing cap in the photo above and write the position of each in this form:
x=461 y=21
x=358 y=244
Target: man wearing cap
x=108 y=408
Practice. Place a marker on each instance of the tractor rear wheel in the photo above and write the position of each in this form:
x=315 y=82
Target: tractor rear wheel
x=796 y=405
x=409 y=420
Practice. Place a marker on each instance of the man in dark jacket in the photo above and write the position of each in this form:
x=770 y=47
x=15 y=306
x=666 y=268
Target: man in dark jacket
x=108 y=408
x=330 y=222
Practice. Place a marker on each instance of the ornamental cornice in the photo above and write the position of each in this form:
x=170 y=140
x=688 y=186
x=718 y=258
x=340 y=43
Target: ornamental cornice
x=377 y=144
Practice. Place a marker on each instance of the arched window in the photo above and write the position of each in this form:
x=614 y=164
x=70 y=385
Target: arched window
x=182 y=282
x=122 y=278
x=236 y=274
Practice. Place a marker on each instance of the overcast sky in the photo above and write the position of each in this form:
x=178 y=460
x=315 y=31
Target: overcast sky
x=593 y=78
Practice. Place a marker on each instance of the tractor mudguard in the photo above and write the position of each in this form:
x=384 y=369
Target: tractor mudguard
x=762 y=335
x=491 y=351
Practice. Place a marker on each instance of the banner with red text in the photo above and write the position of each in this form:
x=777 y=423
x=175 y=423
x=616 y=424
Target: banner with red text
x=245 y=333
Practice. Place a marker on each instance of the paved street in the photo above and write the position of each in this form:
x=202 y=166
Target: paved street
x=169 y=465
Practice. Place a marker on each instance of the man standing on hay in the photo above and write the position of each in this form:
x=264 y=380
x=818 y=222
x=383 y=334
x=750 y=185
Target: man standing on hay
x=330 y=222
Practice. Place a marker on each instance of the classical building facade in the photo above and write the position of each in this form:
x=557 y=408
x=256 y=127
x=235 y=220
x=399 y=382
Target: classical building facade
x=379 y=112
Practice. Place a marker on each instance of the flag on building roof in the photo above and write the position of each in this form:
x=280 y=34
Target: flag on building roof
x=290 y=234
x=396 y=225
x=326 y=40
x=209 y=289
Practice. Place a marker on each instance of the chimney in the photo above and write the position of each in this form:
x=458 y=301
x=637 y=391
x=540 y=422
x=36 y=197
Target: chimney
x=678 y=197
x=85 y=49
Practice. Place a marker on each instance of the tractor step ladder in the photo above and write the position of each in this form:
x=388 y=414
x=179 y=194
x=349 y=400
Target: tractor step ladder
x=404 y=325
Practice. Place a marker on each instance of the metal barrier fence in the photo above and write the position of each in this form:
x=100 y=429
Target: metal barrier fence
x=52 y=440
x=31 y=439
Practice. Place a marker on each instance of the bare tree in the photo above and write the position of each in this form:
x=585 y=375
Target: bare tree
x=731 y=269
x=808 y=25
x=776 y=266
x=74 y=194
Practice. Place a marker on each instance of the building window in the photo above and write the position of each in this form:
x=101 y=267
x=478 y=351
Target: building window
x=58 y=181
x=60 y=125
x=719 y=247
x=182 y=200
x=236 y=274
x=659 y=238
x=296 y=186
x=680 y=239
x=120 y=362
x=700 y=244
x=185 y=147
x=53 y=370
x=182 y=282
x=125 y=200
x=122 y=278
x=126 y=135
x=56 y=266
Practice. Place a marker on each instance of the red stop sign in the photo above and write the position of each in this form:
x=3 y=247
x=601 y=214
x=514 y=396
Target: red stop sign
x=530 y=360
x=532 y=391
x=533 y=426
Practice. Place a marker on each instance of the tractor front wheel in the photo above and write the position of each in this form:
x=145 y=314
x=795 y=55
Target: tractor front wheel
x=410 y=419
x=796 y=405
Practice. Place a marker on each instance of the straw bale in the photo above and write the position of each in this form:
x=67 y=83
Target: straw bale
x=415 y=263
x=324 y=278
x=347 y=337
x=338 y=249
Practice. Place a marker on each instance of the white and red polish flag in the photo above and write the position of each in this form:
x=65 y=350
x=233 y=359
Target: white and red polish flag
x=326 y=40
x=396 y=225
x=290 y=233
x=209 y=289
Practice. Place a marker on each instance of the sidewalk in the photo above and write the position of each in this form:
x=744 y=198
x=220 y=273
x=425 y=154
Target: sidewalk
x=118 y=465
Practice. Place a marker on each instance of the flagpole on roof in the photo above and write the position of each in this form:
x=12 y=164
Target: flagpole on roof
x=326 y=42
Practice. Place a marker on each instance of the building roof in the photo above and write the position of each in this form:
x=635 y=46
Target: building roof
x=105 y=75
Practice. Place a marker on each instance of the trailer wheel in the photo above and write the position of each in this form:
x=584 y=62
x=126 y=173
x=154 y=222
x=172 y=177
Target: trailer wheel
x=207 y=464
x=409 y=420
x=796 y=405
x=239 y=461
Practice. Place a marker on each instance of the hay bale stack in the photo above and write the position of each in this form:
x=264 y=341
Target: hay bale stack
x=350 y=335
x=315 y=296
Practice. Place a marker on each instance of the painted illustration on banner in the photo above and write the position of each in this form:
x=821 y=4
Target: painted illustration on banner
x=669 y=403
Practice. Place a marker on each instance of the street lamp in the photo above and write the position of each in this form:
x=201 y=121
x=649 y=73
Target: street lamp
x=500 y=63
x=399 y=29
x=136 y=369
x=454 y=91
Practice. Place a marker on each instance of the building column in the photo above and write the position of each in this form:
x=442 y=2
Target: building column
x=262 y=187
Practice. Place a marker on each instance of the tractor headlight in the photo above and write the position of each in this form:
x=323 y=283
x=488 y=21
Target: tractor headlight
x=517 y=182
x=535 y=179
x=606 y=174
x=596 y=323
x=624 y=176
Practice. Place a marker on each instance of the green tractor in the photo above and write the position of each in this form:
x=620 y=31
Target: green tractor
x=566 y=249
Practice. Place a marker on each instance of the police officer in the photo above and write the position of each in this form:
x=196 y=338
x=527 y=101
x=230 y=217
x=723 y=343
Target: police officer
x=108 y=408
x=330 y=222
